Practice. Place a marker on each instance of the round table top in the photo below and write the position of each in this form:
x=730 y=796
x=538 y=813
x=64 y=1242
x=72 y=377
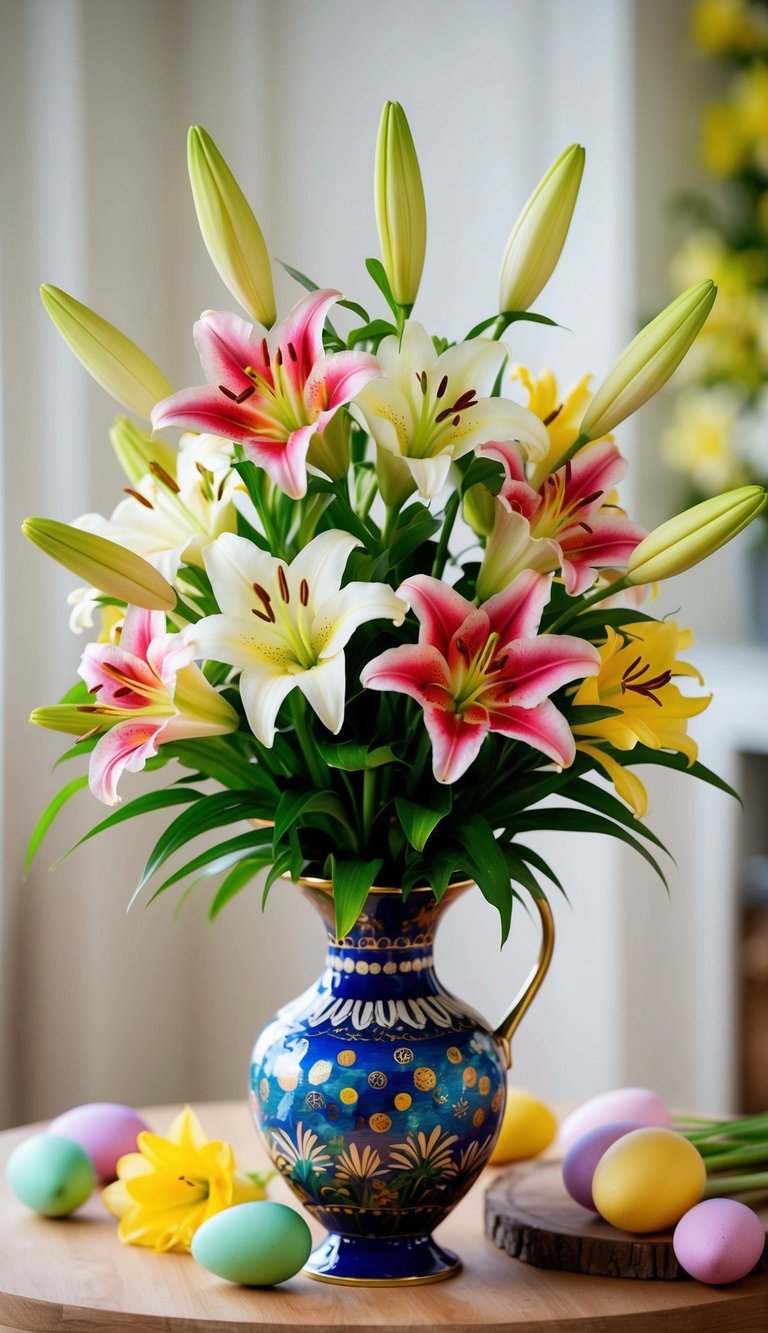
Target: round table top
x=75 y=1274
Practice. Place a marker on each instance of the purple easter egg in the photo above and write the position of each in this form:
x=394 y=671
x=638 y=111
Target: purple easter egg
x=106 y=1130
x=582 y=1158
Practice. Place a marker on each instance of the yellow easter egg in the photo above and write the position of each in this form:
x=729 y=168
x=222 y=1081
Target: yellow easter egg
x=647 y=1180
x=348 y=1096
x=527 y=1128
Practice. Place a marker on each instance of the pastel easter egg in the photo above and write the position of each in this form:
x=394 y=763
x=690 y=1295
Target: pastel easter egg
x=527 y=1128
x=106 y=1130
x=51 y=1174
x=647 y=1179
x=719 y=1240
x=581 y=1159
x=640 y=1104
x=255 y=1244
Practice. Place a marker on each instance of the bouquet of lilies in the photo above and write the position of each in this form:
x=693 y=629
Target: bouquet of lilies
x=373 y=608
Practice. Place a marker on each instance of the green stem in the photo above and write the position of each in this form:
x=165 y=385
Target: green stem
x=422 y=754
x=441 y=554
x=725 y=1185
x=573 y=612
x=574 y=448
x=369 y=802
x=369 y=498
x=735 y=1157
x=389 y=525
x=317 y=768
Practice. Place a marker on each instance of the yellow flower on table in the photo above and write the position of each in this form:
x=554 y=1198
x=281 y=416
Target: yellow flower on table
x=167 y=1189
x=638 y=664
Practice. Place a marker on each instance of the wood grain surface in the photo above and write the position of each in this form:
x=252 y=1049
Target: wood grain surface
x=529 y=1214
x=74 y=1275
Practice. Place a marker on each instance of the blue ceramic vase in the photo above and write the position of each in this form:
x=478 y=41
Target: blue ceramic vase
x=379 y=1094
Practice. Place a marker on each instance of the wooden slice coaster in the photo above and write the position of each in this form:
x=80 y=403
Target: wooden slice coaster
x=529 y=1214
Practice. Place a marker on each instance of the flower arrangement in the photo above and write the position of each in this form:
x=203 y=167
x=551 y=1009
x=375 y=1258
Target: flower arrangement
x=283 y=608
x=716 y=436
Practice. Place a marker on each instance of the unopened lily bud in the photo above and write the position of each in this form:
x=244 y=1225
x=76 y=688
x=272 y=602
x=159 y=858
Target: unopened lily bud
x=329 y=451
x=401 y=214
x=111 y=568
x=479 y=509
x=693 y=535
x=115 y=362
x=537 y=238
x=136 y=449
x=231 y=233
x=649 y=361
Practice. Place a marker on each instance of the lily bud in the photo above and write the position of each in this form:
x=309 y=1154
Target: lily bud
x=648 y=362
x=693 y=535
x=115 y=362
x=401 y=214
x=538 y=236
x=111 y=568
x=231 y=233
x=136 y=449
x=329 y=451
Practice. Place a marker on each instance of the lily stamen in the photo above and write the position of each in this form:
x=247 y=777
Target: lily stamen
x=282 y=584
x=164 y=477
x=266 y=602
x=135 y=495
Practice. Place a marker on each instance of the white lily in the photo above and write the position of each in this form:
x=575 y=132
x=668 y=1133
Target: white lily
x=286 y=625
x=430 y=410
x=168 y=519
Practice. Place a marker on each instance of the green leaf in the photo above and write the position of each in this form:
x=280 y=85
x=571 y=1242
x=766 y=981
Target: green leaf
x=481 y=327
x=49 y=814
x=352 y=881
x=373 y=331
x=582 y=714
x=561 y=820
x=244 y=844
x=142 y=805
x=486 y=860
x=440 y=868
x=486 y=472
x=299 y=277
x=528 y=316
x=643 y=754
x=238 y=877
x=354 y=757
x=414 y=534
x=420 y=820
x=533 y=858
x=217 y=759
x=379 y=275
x=596 y=798
x=209 y=812
x=341 y=514
x=356 y=309
x=294 y=804
x=280 y=866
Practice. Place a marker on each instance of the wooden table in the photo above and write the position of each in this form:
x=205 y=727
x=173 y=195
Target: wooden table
x=74 y=1274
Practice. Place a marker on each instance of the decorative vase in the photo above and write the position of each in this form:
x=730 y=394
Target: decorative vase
x=379 y=1094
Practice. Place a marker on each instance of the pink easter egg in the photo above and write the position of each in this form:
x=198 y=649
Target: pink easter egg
x=719 y=1240
x=639 y=1104
x=106 y=1130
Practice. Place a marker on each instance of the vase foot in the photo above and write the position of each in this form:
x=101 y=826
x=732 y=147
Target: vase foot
x=355 y=1260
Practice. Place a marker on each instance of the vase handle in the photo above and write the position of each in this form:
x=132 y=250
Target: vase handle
x=511 y=1020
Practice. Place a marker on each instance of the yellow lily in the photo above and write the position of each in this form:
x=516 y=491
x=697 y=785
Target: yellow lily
x=560 y=413
x=637 y=666
x=167 y=1189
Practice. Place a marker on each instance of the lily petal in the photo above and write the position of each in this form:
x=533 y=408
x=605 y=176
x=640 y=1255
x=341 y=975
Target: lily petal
x=226 y=344
x=515 y=613
x=233 y=565
x=335 y=380
x=543 y=727
x=353 y=606
x=262 y=690
x=419 y=670
x=285 y=461
x=430 y=474
x=455 y=743
x=302 y=330
x=128 y=745
x=440 y=609
x=323 y=688
x=538 y=666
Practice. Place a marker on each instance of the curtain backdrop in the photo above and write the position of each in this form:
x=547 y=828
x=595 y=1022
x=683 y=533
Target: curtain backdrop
x=96 y=97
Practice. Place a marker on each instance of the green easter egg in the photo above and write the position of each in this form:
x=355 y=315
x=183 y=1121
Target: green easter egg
x=255 y=1244
x=50 y=1174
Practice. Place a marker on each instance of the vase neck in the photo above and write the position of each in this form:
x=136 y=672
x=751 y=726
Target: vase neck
x=392 y=937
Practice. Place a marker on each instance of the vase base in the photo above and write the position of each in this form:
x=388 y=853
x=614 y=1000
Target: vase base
x=357 y=1261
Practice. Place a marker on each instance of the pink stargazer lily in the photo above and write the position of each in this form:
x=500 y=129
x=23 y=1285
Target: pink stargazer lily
x=148 y=692
x=480 y=669
x=271 y=393
x=570 y=525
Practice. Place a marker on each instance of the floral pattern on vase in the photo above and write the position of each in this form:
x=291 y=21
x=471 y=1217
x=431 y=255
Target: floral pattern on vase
x=379 y=1094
